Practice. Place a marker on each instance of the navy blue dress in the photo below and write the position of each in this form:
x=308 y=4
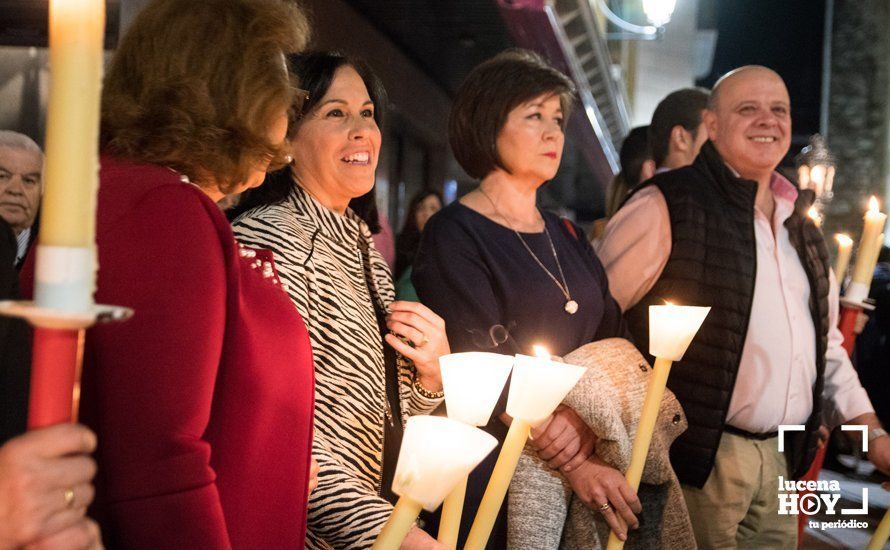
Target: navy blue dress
x=493 y=296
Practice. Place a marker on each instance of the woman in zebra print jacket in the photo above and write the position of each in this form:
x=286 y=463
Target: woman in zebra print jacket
x=344 y=290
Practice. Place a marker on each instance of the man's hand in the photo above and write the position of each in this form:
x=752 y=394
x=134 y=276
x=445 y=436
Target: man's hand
x=597 y=484
x=824 y=434
x=879 y=448
x=879 y=453
x=564 y=441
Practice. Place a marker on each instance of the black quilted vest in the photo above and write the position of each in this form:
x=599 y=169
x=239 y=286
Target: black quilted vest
x=713 y=262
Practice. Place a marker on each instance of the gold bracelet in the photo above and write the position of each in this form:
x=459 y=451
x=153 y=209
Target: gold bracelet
x=427 y=393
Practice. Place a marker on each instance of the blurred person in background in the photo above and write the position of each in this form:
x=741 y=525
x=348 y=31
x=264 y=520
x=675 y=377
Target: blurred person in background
x=21 y=185
x=677 y=131
x=636 y=166
x=421 y=208
x=873 y=343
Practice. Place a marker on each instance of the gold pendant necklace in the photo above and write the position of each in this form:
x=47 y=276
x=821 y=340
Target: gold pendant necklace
x=570 y=306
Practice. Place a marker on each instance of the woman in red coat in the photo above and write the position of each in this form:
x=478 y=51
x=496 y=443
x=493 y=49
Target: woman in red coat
x=202 y=402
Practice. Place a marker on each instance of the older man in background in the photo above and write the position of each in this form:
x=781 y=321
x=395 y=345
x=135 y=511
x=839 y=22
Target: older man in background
x=21 y=184
x=731 y=233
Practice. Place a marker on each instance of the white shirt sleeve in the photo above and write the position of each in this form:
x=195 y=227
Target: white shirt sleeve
x=843 y=393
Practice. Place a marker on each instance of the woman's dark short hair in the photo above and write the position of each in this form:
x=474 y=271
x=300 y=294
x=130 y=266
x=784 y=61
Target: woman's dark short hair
x=487 y=96
x=315 y=71
x=196 y=84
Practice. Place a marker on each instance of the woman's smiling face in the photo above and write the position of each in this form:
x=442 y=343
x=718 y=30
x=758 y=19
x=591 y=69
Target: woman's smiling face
x=337 y=144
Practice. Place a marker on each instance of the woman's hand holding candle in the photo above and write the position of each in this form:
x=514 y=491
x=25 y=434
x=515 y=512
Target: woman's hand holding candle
x=564 y=441
x=418 y=539
x=597 y=484
x=426 y=331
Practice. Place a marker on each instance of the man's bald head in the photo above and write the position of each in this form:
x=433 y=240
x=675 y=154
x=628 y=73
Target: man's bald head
x=734 y=75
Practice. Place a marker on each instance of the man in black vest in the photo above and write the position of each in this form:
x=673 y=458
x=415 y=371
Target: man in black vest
x=731 y=233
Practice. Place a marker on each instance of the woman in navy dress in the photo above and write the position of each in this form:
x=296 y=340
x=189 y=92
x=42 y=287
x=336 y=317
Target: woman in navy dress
x=506 y=276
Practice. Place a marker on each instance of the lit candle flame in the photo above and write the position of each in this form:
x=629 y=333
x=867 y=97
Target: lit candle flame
x=541 y=351
x=815 y=216
x=843 y=239
x=873 y=205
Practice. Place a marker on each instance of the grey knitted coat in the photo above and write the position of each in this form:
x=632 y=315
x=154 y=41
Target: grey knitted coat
x=543 y=512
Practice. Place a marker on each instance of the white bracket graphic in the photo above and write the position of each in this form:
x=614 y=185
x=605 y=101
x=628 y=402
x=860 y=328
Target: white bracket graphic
x=858 y=428
x=788 y=428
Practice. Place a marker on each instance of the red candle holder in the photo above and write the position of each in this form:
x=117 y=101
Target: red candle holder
x=58 y=356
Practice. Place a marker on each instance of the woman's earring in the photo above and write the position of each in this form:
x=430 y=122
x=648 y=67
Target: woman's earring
x=289 y=159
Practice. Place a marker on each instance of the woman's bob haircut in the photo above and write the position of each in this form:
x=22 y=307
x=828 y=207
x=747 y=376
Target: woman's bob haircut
x=487 y=96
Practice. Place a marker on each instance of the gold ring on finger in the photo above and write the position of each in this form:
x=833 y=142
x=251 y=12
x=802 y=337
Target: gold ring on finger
x=605 y=507
x=69 y=498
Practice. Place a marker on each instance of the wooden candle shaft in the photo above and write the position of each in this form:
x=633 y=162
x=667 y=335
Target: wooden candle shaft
x=449 y=524
x=494 y=495
x=55 y=377
x=882 y=533
x=648 y=417
x=645 y=429
x=397 y=526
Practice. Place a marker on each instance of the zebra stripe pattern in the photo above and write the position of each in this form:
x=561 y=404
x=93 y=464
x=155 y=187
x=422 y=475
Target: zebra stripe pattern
x=318 y=257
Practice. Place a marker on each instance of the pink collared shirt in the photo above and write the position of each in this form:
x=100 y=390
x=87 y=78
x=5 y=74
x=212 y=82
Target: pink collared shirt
x=778 y=364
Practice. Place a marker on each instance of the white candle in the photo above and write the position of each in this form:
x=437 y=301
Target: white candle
x=844 y=248
x=867 y=253
x=76 y=35
x=65 y=270
x=436 y=453
x=538 y=385
x=472 y=383
x=671 y=330
x=814 y=215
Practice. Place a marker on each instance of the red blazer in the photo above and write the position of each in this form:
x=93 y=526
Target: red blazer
x=203 y=401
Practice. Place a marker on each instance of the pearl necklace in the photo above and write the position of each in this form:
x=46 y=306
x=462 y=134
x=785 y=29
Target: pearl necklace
x=571 y=306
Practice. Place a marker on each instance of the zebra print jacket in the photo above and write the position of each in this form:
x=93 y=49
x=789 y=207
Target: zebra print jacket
x=318 y=257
